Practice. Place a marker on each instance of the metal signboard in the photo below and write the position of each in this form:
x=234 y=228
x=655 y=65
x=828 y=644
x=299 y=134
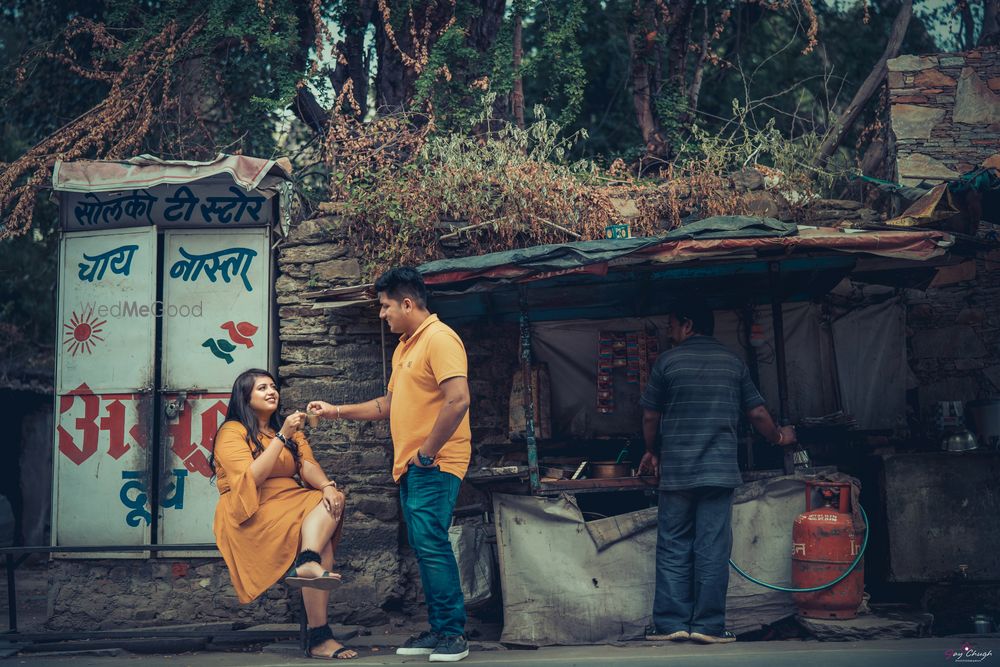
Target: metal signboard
x=216 y=291
x=215 y=202
x=107 y=291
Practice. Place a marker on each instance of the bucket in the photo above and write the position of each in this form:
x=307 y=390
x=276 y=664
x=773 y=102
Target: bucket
x=984 y=419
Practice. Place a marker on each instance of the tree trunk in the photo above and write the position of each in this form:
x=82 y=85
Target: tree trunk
x=643 y=56
x=517 y=96
x=874 y=158
x=968 y=24
x=678 y=40
x=485 y=27
x=354 y=65
x=395 y=79
x=990 y=36
x=843 y=124
x=654 y=23
x=642 y=98
x=699 y=69
x=202 y=118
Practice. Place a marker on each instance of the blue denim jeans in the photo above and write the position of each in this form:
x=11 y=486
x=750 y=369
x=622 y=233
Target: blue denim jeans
x=693 y=544
x=428 y=497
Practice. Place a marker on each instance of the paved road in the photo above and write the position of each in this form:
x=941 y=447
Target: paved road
x=898 y=653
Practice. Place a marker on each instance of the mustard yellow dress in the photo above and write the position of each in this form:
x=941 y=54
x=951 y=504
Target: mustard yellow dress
x=258 y=529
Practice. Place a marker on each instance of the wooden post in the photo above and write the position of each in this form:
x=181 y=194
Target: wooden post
x=528 y=395
x=778 y=323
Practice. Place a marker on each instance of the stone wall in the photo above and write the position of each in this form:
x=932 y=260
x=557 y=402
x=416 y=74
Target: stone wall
x=336 y=354
x=945 y=113
x=955 y=333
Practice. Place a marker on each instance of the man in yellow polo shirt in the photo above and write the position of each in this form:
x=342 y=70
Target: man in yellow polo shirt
x=427 y=406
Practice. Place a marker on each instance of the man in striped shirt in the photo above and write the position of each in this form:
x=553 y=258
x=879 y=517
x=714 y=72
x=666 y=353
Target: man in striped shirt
x=692 y=402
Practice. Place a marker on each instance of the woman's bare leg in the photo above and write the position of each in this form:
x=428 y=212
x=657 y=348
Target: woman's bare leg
x=316 y=600
x=318 y=529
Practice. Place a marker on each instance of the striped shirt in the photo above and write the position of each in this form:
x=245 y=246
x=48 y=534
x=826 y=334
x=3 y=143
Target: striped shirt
x=700 y=388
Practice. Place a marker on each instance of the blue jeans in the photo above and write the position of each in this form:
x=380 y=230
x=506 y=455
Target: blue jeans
x=693 y=544
x=428 y=497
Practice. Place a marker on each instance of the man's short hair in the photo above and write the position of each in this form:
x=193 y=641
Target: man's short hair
x=701 y=316
x=402 y=282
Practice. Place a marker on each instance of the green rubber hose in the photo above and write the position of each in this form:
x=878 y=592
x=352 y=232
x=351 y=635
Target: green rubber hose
x=785 y=589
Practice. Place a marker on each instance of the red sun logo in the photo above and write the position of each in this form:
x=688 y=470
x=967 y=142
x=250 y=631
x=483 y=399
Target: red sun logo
x=81 y=332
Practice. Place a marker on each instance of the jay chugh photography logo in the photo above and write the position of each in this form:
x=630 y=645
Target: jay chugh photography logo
x=968 y=653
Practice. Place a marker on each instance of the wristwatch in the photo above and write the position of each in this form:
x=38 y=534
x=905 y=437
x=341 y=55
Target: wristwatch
x=424 y=460
x=283 y=439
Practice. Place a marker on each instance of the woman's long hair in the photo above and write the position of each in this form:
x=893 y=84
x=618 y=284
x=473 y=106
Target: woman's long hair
x=239 y=411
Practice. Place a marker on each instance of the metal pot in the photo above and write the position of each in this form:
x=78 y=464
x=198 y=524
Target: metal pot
x=609 y=469
x=963 y=441
x=982 y=624
x=984 y=418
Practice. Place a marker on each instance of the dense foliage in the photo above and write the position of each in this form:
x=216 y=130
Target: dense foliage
x=421 y=115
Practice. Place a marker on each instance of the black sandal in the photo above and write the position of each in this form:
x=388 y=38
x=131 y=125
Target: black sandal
x=326 y=581
x=321 y=634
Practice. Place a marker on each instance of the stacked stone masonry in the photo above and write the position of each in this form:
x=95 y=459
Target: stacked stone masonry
x=945 y=111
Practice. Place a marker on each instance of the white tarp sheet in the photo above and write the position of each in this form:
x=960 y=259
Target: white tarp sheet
x=865 y=352
x=569 y=582
x=871 y=364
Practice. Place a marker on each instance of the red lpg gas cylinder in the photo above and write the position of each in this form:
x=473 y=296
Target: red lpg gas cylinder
x=824 y=545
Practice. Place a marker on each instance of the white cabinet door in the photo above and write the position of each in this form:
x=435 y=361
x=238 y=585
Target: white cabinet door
x=106 y=312
x=216 y=324
x=187 y=494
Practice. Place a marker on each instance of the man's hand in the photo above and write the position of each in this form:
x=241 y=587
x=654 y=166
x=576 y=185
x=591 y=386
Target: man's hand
x=650 y=464
x=321 y=408
x=787 y=436
x=416 y=461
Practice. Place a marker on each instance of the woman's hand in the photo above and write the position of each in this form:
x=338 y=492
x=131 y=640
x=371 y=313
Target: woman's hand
x=333 y=500
x=293 y=423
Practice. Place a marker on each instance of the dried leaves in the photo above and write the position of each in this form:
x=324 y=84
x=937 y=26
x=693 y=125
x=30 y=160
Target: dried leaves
x=140 y=88
x=420 y=38
x=410 y=196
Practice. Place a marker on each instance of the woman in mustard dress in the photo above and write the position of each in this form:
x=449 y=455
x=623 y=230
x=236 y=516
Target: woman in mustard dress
x=265 y=520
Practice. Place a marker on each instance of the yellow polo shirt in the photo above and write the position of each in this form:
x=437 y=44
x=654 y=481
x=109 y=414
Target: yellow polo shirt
x=421 y=362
